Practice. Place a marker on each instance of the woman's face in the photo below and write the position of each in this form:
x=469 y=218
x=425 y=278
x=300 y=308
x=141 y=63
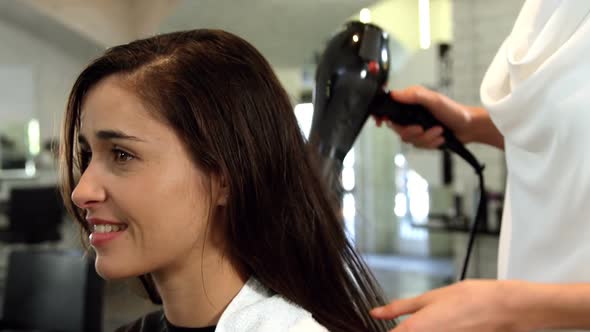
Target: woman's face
x=147 y=203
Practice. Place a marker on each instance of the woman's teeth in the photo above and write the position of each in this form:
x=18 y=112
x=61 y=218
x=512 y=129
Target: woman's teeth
x=108 y=228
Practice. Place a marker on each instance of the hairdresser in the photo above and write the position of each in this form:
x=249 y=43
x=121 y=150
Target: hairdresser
x=536 y=107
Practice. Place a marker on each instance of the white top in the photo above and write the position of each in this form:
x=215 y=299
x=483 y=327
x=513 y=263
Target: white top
x=255 y=308
x=537 y=91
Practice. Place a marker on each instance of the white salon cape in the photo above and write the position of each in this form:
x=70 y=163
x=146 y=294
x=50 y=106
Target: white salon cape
x=256 y=308
x=537 y=91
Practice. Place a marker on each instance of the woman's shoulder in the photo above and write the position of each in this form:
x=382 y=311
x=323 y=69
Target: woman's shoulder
x=152 y=322
x=256 y=308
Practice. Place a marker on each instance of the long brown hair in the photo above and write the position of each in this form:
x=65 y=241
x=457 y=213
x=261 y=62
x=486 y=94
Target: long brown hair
x=222 y=98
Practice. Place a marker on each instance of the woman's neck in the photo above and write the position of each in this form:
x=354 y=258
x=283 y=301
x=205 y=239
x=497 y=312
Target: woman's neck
x=195 y=295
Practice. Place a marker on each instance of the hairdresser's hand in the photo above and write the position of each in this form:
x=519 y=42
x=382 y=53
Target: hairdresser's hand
x=473 y=305
x=457 y=117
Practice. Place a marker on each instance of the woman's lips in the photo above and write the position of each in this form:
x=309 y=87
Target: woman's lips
x=99 y=239
x=104 y=231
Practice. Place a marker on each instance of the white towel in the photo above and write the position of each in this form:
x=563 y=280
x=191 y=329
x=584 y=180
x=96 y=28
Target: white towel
x=256 y=309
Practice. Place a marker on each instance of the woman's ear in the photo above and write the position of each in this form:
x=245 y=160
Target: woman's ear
x=222 y=190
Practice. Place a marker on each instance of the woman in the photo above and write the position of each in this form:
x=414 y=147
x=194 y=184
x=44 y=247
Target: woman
x=185 y=166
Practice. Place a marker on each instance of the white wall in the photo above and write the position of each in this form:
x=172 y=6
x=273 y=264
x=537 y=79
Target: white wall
x=292 y=80
x=53 y=73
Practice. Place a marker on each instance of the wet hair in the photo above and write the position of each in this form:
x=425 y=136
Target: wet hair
x=221 y=97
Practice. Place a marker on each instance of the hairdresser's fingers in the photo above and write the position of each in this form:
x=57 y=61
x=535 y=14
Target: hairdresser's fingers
x=419 y=323
x=431 y=139
x=408 y=325
x=378 y=121
x=456 y=116
x=398 y=308
x=410 y=134
x=419 y=95
x=395 y=127
x=413 y=304
x=425 y=140
x=434 y=144
x=415 y=135
x=406 y=134
x=409 y=95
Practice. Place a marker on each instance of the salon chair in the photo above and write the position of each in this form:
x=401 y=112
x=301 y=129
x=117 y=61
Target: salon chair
x=51 y=290
x=34 y=216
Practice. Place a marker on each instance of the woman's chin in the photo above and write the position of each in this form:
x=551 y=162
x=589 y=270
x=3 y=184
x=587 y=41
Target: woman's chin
x=111 y=270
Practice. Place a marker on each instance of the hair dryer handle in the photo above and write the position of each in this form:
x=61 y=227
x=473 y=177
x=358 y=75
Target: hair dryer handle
x=383 y=106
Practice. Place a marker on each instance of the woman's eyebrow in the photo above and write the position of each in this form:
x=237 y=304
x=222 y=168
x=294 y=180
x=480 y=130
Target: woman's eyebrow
x=115 y=134
x=107 y=135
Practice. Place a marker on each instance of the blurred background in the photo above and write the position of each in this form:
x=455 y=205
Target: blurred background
x=406 y=210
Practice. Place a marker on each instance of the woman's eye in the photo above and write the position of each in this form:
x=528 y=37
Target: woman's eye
x=121 y=156
x=85 y=158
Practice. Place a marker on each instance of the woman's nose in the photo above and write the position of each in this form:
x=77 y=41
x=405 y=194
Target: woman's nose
x=89 y=191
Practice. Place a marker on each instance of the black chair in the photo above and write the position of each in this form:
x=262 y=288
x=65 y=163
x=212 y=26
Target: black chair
x=34 y=215
x=52 y=291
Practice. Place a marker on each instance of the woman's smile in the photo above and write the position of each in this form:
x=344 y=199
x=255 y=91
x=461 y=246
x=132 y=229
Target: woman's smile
x=103 y=231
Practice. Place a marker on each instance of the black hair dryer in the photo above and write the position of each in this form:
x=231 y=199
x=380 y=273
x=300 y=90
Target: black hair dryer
x=350 y=85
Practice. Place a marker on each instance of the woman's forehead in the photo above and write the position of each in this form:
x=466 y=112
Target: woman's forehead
x=113 y=107
x=111 y=102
